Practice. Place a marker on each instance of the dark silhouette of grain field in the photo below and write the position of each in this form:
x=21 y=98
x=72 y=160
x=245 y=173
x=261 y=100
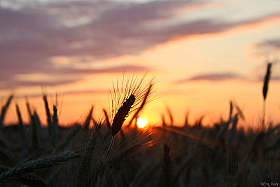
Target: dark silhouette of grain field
x=109 y=153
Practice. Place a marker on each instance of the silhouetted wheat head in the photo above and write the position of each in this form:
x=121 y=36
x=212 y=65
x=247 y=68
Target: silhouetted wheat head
x=127 y=97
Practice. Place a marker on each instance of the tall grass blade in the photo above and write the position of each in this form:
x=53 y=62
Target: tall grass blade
x=226 y=124
x=107 y=119
x=233 y=130
x=28 y=109
x=166 y=167
x=181 y=169
x=144 y=101
x=4 y=110
x=163 y=121
x=120 y=157
x=170 y=116
x=68 y=139
x=20 y=123
x=34 y=133
x=186 y=123
x=145 y=175
x=39 y=126
x=48 y=114
x=198 y=123
x=54 y=128
x=25 y=144
x=88 y=119
x=240 y=112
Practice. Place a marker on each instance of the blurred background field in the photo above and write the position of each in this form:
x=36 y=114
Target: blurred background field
x=221 y=154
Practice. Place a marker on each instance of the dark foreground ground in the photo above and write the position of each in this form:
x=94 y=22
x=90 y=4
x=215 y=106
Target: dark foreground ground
x=193 y=155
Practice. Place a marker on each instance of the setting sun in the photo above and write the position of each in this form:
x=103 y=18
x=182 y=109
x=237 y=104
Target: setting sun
x=141 y=122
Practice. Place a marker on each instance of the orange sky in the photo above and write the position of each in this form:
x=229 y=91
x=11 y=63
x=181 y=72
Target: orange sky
x=200 y=56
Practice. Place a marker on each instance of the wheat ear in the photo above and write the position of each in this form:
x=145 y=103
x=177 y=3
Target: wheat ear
x=265 y=88
x=33 y=165
x=122 y=114
x=28 y=179
x=119 y=119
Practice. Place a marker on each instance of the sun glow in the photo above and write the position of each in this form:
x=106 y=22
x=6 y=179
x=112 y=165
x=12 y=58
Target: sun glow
x=141 y=122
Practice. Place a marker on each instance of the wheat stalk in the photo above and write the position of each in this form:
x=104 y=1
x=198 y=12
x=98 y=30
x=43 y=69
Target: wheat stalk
x=88 y=119
x=48 y=113
x=4 y=110
x=107 y=119
x=39 y=126
x=20 y=123
x=33 y=165
x=145 y=174
x=170 y=116
x=233 y=130
x=119 y=119
x=24 y=147
x=28 y=109
x=68 y=139
x=144 y=101
x=28 y=179
x=85 y=164
x=34 y=133
x=166 y=167
x=116 y=160
x=226 y=124
x=54 y=128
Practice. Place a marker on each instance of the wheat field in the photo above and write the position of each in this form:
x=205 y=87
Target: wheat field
x=109 y=153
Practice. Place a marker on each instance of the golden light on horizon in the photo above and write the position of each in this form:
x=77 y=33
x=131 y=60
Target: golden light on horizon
x=141 y=122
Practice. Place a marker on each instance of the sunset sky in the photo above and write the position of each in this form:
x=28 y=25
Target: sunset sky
x=200 y=55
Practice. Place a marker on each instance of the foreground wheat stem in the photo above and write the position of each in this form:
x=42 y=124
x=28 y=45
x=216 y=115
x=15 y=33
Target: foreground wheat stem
x=4 y=110
x=110 y=146
x=144 y=101
x=20 y=122
x=33 y=165
x=54 y=128
x=28 y=179
x=48 y=113
x=85 y=164
x=119 y=119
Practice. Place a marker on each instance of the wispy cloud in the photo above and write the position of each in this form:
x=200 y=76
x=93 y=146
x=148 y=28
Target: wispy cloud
x=218 y=77
x=270 y=43
x=267 y=47
x=32 y=35
x=64 y=76
x=214 y=77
